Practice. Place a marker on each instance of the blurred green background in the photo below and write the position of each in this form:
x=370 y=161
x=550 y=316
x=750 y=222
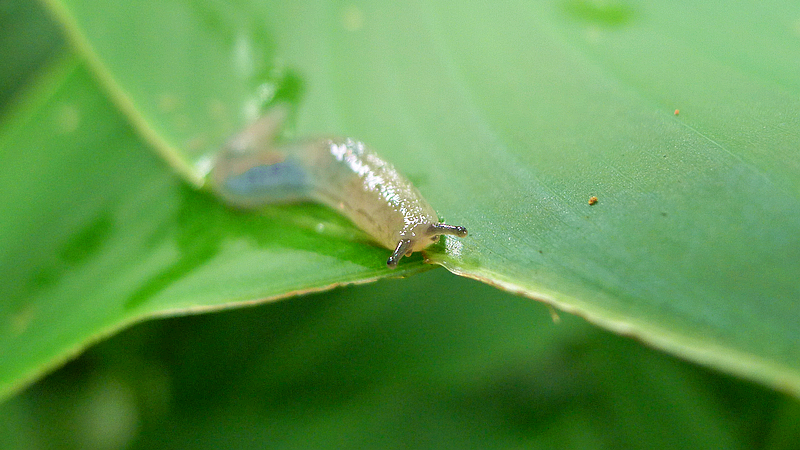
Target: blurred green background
x=431 y=361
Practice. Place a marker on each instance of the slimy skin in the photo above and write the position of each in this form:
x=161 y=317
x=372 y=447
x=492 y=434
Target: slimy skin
x=253 y=170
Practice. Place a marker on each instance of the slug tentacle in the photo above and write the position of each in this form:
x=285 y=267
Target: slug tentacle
x=402 y=249
x=256 y=169
x=450 y=230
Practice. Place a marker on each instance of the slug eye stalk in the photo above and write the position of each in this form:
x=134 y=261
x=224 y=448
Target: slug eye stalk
x=438 y=229
x=406 y=246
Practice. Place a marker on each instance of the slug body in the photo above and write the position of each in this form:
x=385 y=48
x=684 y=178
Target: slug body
x=253 y=170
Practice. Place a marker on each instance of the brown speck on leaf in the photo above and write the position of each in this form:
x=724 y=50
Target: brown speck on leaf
x=592 y=200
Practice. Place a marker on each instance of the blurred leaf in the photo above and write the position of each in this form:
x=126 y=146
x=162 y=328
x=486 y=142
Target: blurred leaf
x=27 y=40
x=383 y=366
x=97 y=233
x=510 y=117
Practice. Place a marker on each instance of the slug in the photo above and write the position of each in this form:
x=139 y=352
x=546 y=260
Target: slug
x=255 y=169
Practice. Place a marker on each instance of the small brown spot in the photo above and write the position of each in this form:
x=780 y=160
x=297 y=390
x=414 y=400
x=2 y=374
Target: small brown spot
x=592 y=200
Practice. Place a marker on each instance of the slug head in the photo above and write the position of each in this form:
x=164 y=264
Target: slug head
x=424 y=236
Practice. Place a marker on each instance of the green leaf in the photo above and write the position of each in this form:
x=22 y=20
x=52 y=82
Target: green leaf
x=98 y=233
x=376 y=365
x=28 y=40
x=510 y=117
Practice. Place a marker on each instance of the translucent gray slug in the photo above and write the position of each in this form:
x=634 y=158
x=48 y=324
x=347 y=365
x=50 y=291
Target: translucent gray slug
x=255 y=169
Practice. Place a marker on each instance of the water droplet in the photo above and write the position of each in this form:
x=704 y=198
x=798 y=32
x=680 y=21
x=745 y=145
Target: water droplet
x=266 y=92
x=352 y=18
x=68 y=118
x=608 y=13
x=454 y=247
x=168 y=103
x=243 y=59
